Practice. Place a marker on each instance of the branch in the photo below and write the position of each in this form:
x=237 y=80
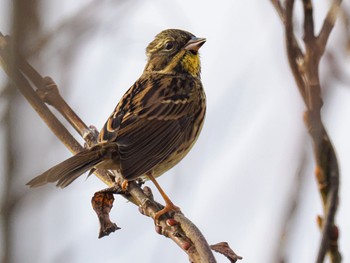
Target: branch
x=180 y=229
x=345 y=17
x=308 y=23
x=295 y=55
x=305 y=68
x=43 y=111
x=25 y=88
x=280 y=10
x=329 y=23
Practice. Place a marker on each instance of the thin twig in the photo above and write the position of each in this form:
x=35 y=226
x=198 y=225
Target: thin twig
x=44 y=112
x=345 y=18
x=295 y=55
x=8 y=200
x=329 y=23
x=280 y=10
x=291 y=207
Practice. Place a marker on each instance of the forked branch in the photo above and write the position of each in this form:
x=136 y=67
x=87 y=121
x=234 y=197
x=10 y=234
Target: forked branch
x=305 y=69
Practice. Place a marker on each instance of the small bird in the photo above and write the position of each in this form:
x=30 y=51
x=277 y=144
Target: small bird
x=154 y=125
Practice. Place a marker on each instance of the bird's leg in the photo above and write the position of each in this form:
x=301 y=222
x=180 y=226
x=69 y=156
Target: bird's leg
x=125 y=184
x=169 y=206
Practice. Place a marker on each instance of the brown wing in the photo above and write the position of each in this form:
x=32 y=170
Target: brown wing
x=151 y=122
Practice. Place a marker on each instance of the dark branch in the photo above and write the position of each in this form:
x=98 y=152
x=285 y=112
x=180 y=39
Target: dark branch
x=308 y=22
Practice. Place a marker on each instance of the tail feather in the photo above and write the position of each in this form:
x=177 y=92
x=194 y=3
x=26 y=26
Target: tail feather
x=67 y=171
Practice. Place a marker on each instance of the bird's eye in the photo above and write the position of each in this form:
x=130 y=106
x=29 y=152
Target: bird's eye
x=169 y=45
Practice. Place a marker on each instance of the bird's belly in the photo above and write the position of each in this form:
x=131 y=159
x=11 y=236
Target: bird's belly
x=175 y=157
x=169 y=162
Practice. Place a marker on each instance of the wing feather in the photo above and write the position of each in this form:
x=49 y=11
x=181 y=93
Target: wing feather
x=150 y=122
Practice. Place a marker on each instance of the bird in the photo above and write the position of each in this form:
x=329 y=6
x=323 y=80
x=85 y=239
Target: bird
x=154 y=125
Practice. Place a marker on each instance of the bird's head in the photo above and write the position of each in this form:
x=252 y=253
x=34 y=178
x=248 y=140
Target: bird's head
x=174 y=51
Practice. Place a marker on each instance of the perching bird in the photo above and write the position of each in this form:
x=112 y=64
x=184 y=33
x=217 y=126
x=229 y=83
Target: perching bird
x=154 y=125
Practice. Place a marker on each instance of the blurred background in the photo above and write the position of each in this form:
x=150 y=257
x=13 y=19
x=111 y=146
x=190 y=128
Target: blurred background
x=249 y=180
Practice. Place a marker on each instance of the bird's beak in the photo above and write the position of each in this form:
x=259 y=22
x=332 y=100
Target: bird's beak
x=195 y=43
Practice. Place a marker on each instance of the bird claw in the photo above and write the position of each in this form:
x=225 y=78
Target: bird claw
x=169 y=208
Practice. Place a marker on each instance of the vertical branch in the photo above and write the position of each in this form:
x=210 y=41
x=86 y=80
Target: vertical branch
x=305 y=69
x=308 y=22
x=295 y=55
x=25 y=25
x=7 y=200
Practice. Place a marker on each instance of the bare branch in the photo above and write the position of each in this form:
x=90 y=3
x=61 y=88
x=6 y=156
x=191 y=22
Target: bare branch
x=50 y=94
x=305 y=70
x=328 y=23
x=26 y=89
x=44 y=112
x=308 y=23
x=345 y=17
x=295 y=55
x=280 y=10
x=291 y=206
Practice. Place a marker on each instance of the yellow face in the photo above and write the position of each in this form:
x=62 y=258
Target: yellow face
x=169 y=53
x=184 y=61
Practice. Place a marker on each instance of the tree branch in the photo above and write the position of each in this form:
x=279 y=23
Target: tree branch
x=280 y=10
x=305 y=69
x=295 y=55
x=329 y=23
x=308 y=22
x=43 y=111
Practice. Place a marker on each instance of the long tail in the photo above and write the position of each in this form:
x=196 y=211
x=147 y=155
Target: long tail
x=67 y=171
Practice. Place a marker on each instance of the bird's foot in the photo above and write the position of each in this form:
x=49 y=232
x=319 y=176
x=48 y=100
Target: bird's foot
x=169 y=207
x=124 y=185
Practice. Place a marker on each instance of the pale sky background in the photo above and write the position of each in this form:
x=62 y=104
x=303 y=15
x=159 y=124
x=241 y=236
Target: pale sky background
x=235 y=184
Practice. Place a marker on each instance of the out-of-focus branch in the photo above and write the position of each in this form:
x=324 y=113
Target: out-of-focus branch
x=345 y=18
x=7 y=201
x=308 y=22
x=291 y=207
x=85 y=21
x=25 y=88
x=181 y=230
x=329 y=23
x=280 y=10
x=25 y=25
x=305 y=69
x=44 y=112
x=295 y=55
